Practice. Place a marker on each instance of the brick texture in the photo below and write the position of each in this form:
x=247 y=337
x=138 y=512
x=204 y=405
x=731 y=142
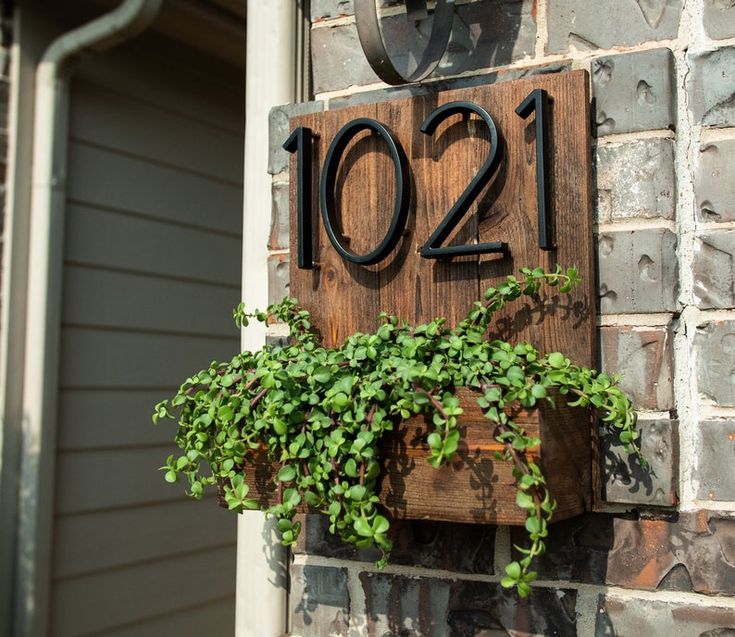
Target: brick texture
x=279 y=234
x=462 y=548
x=627 y=481
x=719 y=18
x=618 y=615
x=636 y=180
x=278 y=277
x=319 y=601
x=638 y=271
x=599 y=24
x=716 y=444
x=643 y=357
x=714 y=269
x=714 y=348
x=634 y=91
x=715 y=181
x=711 y=89
x=690 y=552
x=484 y=34
x=645 y=157
x=446 y=608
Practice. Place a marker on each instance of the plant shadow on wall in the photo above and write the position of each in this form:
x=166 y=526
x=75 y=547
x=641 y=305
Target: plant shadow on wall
x=319 y=415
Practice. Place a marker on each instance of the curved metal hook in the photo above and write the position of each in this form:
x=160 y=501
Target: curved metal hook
x=373 y=45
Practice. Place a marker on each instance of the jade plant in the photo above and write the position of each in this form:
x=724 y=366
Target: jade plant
x=320 y=413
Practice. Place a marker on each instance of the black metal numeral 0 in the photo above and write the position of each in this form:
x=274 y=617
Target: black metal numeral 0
x=300 y=142
x=433 y=249
x=328 y=183
x=538 y=102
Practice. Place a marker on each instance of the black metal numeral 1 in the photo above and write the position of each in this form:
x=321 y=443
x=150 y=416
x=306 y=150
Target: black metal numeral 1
x=328 y=183
x=299 y=142
x=433 y=249
x=538 y=102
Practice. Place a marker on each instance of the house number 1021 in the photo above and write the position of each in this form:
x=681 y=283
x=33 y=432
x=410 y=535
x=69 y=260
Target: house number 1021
x=300 y=142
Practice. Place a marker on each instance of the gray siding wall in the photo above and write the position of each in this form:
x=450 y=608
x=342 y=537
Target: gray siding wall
x=151 y=273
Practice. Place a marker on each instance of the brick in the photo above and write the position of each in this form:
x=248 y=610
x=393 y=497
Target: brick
x=719 y=18
x=319 y=601
x=462 y=548
x=643 y=357
x=576 y=549
x=398 y=605
x=337 y=60
x=625 y=615
x=714 y=349
x=636 y=180
x=646 y=551
x=478 y=608
x=599 y=24
x=279 y=234
x=714 y=269
x=411 y=90
x=326 y=9
x=688 y=552
x=711 y=89
x=638 y=271
x=480 y=39
x=625 y=481
x=279 y=130
x=278 y=277
x=716 y=451
x=634 y=91
x=715 y=181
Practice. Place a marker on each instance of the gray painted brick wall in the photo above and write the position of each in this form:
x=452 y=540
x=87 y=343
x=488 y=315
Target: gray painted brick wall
x=662 y=78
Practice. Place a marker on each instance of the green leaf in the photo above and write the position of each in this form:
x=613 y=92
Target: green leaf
x=524 y=500
x=351 y=468
x=513 y=569
x=363 y=528
x=287 y=473
x=322 y=375
x=434 y=440
x=556 y=360
x=380 y=524
x=291 y=497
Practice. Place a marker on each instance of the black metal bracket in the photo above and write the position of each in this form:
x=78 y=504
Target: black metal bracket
x=373 y=44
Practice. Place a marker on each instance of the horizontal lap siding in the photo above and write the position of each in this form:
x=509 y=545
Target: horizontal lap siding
x=151 y=272
x=109 y=599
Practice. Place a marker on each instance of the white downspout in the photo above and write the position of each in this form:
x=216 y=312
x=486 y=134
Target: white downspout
x=44 y=298
x=269 y=81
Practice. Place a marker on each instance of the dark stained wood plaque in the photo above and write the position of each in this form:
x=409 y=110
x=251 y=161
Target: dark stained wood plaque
x=344 y=297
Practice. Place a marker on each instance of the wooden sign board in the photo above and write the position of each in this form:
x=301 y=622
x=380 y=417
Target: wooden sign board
x=345 y=297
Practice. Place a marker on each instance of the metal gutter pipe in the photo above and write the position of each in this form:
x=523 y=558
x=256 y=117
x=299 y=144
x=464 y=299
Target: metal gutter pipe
x=262 y=570
x=50 y=134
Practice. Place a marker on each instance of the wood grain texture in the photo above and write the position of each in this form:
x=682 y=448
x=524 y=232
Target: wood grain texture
x=345 y=298
x=475 y=487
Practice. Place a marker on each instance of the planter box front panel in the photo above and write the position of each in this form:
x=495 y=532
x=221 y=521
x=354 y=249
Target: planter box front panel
x=475 y=488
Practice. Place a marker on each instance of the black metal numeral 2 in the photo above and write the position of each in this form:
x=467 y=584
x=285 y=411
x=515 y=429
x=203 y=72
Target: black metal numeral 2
x=538 y=102
x=433 y=249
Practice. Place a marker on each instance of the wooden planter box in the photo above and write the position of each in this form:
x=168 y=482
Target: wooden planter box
x=475 y=488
